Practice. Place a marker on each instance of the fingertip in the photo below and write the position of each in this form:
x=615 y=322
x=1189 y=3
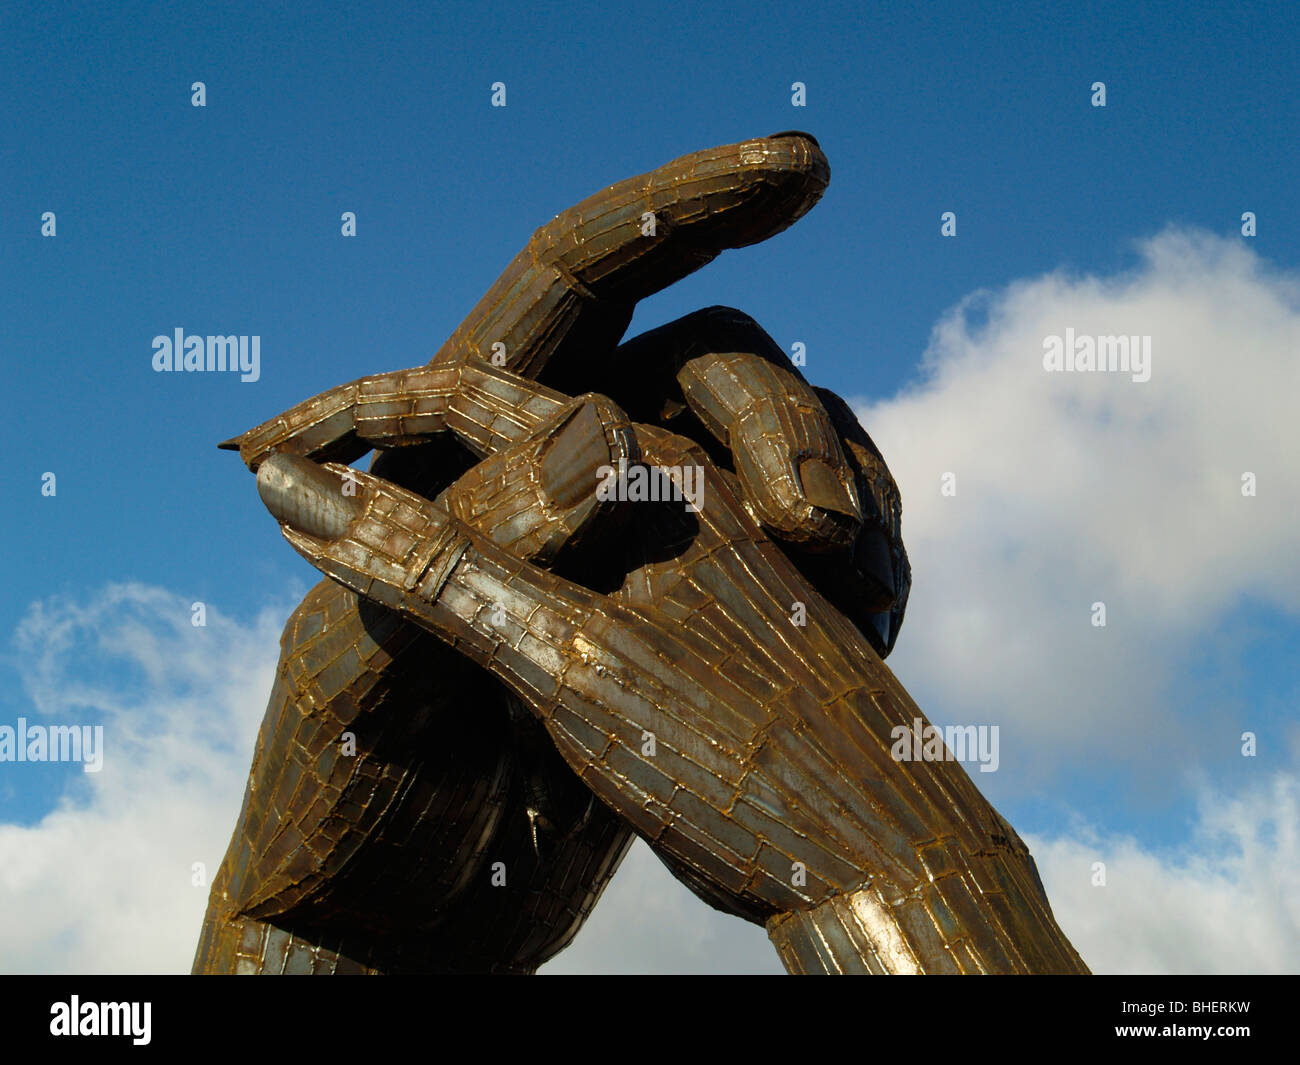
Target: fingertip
x=780 y=180
x=826 y=491
x=791 y=156
x=794 y=133
x=801 y=503
x=572 y=457
x=307 y=497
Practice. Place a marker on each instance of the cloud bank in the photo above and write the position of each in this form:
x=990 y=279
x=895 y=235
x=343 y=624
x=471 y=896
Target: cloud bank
x=1079 y=488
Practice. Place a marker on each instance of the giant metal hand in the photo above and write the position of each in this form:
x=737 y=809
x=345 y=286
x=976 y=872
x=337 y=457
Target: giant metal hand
x=717 y=691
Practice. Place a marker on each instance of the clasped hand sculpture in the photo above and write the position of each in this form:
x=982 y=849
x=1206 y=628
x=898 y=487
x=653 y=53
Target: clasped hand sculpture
x=507 y=673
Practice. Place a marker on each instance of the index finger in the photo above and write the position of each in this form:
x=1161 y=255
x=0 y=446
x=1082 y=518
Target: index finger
x=580 y=276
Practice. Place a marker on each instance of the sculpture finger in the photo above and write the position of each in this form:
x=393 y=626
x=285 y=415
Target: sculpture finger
x=398 y=549
x=575 y=284
x=536 y=497
x=718 y=374
x=723 y=366
x=486 y=407
x=873 y=584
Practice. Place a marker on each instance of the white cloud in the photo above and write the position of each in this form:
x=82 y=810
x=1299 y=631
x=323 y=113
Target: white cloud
x=1222 y=902
x=102 y=883
x=1075 y=488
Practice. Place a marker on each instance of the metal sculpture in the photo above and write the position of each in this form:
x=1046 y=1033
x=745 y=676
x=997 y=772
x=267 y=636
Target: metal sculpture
x=550 y=623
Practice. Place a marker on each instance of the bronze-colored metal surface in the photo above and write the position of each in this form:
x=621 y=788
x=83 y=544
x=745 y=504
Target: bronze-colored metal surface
x=510 y=670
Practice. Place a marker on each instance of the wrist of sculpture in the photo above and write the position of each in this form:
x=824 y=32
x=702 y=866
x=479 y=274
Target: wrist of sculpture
x=875 y=930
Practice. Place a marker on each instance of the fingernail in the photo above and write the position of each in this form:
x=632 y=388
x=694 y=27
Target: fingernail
x=572 y=456
x=307 y=497
x=794 y=133
x=874 y=560
x=823 y=489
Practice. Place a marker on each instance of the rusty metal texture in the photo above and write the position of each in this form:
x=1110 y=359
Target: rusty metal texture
x=510 y=671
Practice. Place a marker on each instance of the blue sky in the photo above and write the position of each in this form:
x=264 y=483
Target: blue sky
x=225 y=219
